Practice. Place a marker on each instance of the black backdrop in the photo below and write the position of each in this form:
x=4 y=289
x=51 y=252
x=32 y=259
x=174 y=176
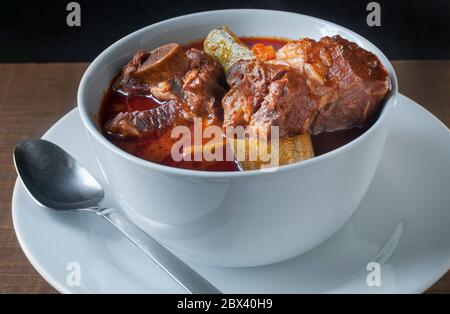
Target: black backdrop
x=36 y=31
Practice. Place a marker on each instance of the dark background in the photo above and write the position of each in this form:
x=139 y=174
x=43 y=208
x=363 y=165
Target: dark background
x=36 y=31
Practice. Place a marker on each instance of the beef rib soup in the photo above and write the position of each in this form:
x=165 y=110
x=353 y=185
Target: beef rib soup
x=300 y=98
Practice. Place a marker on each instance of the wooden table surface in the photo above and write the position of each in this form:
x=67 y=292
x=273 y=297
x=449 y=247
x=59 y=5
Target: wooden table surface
x=34 y=96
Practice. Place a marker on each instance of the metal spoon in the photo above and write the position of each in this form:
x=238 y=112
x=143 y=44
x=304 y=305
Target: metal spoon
x=56 y=180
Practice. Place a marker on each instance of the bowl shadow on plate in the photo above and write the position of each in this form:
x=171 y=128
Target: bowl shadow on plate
x=339 y=260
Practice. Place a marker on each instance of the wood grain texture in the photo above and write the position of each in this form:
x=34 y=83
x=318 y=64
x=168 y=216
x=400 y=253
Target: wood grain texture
x=34 y=96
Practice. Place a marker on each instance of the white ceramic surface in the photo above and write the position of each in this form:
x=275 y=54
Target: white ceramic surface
x=231 y=219
x=402 y=223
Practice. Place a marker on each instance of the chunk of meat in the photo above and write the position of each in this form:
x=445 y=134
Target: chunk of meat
x=138 y=123
x=125 y=83
x=187 y=94
x=202 y=89
x=348 y=81
x=265 y=95
x=161 y=64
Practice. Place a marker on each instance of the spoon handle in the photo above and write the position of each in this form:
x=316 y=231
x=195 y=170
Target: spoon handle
x=188 y=278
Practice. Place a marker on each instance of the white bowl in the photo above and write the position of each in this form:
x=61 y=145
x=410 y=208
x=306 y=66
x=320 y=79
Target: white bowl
x=234 y=218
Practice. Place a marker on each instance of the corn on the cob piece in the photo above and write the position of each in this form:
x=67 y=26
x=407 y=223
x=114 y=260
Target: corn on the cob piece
x=290 y=149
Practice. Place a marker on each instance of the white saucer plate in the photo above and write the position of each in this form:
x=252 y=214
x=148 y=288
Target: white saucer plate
x=402 y=224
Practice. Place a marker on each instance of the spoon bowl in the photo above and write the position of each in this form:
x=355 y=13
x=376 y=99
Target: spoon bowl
x=54 y=178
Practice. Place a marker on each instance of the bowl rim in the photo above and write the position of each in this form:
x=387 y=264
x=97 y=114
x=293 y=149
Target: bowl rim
x=389 y=104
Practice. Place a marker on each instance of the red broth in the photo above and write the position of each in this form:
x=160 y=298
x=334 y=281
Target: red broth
x=158 y=148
